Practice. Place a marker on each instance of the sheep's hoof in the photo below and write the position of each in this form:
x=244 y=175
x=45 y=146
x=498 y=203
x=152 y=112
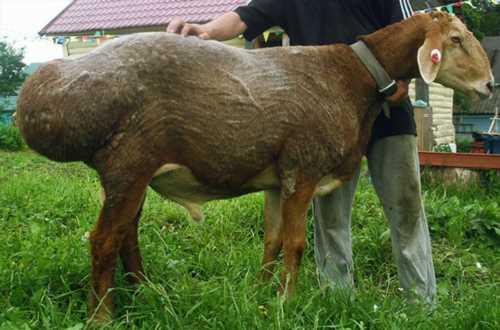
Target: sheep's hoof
x=134 y=278
x=101 y=318
x=99 y=313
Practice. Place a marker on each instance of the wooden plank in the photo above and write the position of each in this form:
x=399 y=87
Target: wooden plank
x=423 y=120
x=459 y=160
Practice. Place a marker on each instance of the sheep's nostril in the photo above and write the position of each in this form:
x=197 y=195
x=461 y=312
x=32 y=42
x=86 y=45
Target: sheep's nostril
x=490 y=86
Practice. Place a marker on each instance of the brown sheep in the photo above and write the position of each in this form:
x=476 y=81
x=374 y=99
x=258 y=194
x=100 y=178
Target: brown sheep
x=200 y=120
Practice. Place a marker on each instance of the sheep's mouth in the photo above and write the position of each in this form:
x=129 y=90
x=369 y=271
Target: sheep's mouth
x=480 y=95
x=485 y=90
x=483 y=95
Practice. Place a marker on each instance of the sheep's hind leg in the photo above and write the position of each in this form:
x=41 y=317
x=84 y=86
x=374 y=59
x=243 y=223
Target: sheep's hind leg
x=130 y=252
x=116 y=222
x=272 y=233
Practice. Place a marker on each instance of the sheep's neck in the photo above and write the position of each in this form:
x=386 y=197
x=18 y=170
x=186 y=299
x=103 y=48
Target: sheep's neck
x=396 y=46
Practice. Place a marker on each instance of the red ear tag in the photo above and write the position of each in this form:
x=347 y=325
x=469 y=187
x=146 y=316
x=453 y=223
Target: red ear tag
x=436 y=56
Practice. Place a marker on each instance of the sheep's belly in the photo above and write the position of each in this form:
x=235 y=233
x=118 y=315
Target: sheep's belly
x=177 y=183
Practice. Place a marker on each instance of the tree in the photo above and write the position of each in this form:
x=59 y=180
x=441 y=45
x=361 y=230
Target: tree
x=484 y=19
x=11 y=69
x=472 y=18
x=490 y=23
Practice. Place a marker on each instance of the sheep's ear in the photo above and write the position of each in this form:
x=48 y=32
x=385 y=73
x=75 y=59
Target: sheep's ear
x=430 y=54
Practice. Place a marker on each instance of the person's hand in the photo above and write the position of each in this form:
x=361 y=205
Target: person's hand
x=401 y=93
x=179 y=26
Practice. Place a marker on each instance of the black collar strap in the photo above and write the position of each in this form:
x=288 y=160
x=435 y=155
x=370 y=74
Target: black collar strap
x=386 y=85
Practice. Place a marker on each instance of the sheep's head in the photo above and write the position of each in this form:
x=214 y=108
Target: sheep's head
x=452 y=56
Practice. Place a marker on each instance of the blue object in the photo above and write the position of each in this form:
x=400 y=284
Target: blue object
x=60 y=40
x=6 y=117
x=492 y=142
x=420 y=104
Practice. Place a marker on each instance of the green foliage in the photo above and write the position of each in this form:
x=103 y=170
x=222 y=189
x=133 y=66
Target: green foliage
x=203 y=276
x=491 y=181
x=462 y=212
x=473 y=18
x=464 y=146
x=484 y=19
x=462 y=102
x=11 y=69
x=10 y=138
x=460 y=219
x=442 y=148
x=490 y=22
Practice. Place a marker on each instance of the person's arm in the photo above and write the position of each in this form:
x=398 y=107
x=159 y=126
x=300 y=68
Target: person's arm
x=396 y=11
x=252 y=20
x=225 y=27
x=401 y=93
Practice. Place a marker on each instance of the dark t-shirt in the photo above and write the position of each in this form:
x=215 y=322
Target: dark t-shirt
x=321 y=22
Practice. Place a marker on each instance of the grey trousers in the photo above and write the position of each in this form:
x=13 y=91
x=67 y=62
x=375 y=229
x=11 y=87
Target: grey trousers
x=393 y=165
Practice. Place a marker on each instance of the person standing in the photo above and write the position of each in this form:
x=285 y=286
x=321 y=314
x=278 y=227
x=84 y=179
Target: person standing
x=392 y=154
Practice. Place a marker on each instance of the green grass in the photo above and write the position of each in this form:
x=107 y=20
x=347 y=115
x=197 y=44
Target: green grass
x=10 y=138
x=203 y=276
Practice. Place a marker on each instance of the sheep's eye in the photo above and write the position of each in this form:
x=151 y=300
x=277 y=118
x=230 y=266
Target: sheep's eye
x=456 y=40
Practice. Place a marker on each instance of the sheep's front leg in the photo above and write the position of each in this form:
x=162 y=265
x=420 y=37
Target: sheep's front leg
x=294 y=212
x=272 y=232
x=115 y=224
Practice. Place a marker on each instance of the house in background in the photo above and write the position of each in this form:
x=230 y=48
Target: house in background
x=7 y=109
x=479 y=118
x=433 y=114
x=8 y=104
x=85 y=24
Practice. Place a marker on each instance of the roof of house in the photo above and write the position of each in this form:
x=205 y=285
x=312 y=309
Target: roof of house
x=82 y=16
x=492 y=47
x=487 y=106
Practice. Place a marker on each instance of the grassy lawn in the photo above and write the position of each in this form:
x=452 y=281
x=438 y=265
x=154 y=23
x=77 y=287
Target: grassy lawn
x=203 y=276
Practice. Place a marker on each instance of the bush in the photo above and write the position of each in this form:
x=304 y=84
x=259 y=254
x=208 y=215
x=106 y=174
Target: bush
x=462 y=102
x=10 y=138
x=464 y=146
x=444 y=147
x=462 y=212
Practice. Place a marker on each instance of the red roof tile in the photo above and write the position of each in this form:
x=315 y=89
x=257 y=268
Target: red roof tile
x=92 y=15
